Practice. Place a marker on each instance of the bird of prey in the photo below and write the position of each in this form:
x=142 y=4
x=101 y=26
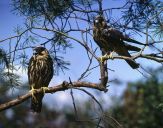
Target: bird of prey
x=111 y=40
x=40 y=73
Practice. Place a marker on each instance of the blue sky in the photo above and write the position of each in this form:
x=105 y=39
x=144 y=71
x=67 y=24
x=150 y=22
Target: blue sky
x=77 y=57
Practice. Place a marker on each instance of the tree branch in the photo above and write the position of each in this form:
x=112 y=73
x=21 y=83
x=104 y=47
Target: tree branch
x=61 y=87
x=153 y=57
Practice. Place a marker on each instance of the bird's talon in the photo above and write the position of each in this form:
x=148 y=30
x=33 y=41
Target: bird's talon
x=32 y=91
x=110 y=56
x=44 y=89
x=103 y=58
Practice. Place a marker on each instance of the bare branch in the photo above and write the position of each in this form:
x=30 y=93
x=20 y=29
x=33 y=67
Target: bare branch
x=61 y=87
x=153 y=57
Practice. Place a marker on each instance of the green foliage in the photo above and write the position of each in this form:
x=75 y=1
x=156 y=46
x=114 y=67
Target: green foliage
x=84 y=2
x=60 y=64
x=6 y=75
x=145 y=14
x=48 y=8
x=42 y=7
x=3 y=59
x=141 y=106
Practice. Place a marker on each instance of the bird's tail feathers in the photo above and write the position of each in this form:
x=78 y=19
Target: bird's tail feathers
x=36 y=103
x=133 y=64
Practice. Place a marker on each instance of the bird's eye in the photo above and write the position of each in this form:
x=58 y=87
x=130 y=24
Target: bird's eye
x=96 y=21
x=35 y=53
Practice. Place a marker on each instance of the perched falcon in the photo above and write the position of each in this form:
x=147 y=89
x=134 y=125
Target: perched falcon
x=109 y=40
x=40 y=73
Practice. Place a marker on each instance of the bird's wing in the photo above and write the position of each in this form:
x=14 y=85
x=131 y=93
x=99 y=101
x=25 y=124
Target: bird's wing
x=113 y=33
x=131 y=40
x=30 y=68
x=119 y=35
